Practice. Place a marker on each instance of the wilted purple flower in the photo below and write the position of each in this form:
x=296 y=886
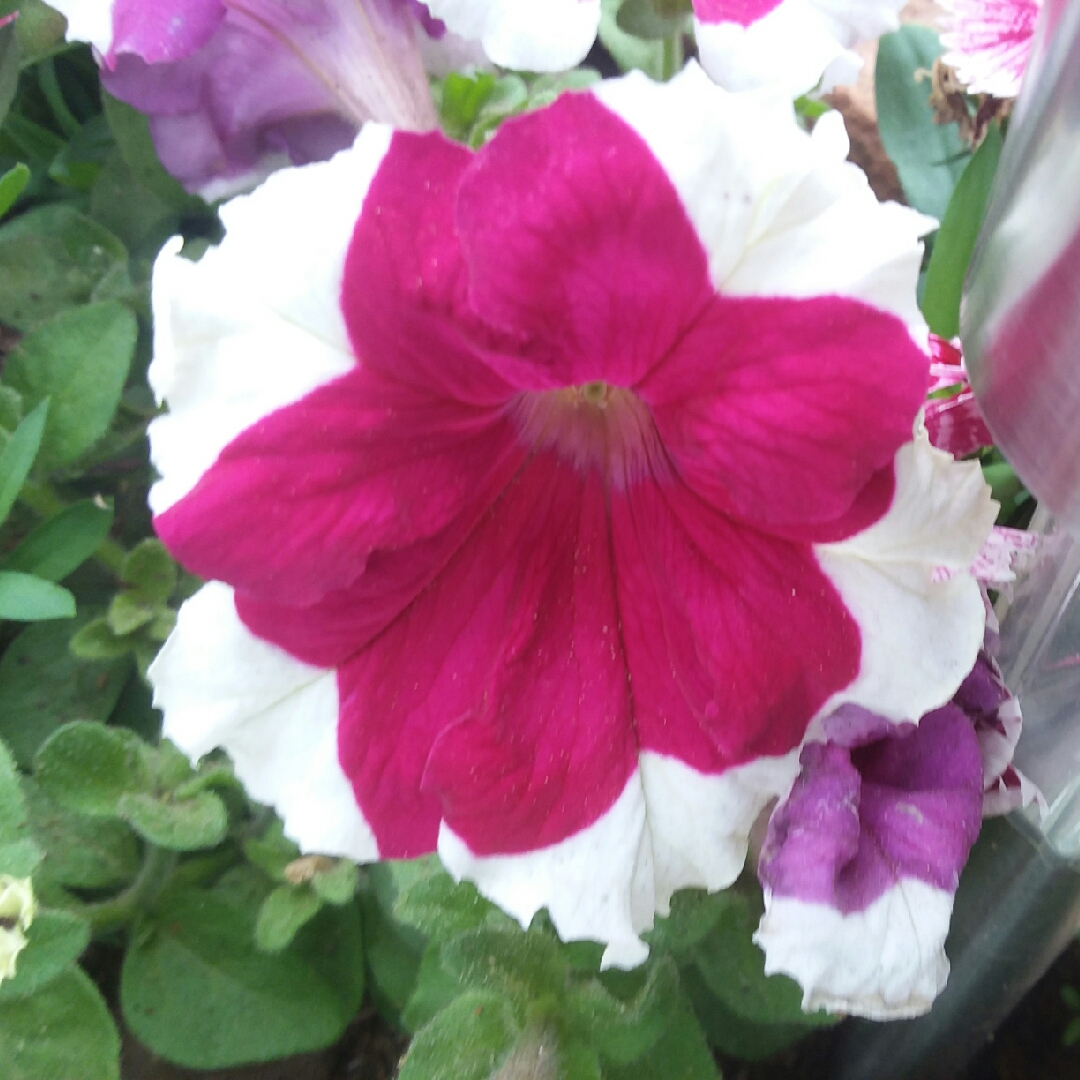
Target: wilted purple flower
x=234 y=87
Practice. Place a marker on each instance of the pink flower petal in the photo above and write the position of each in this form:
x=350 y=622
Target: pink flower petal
x=163 y=30
x=742 y=12
x=988 y=42
x=499 y=700
x=764 y=400
x=583 y=299
x=380 y=465
x=734 y=638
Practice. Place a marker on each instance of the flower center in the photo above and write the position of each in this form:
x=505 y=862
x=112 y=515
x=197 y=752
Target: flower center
x=594 y=425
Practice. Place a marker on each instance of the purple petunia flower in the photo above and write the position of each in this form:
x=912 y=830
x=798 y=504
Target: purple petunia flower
x=234 y=88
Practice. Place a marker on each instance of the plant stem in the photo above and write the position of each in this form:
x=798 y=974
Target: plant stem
x=672 y=60
x=156 y=869
x=42 y=498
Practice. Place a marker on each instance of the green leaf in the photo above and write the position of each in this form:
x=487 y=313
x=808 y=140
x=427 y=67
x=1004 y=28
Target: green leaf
x=434 y=989
x=282 y=914
x=33 y=599
x=78 y=359
x=12 y=804
x=80 y=852
x=63 y=1032
x=338 y=884
x=55 y=941
x=52 y=258
x=18 y=457
x=393 y=951
x=460 y=101
x=465 y=1041
x=62 y=543
x=654 y=20
x=42 y=686
x=681 y=1053
x=623 y=1031
x=441 y=908
x=149 y=568
x=127 y=613
x=181 y=825
x=9 y=68
x=955 y=240
x=272 y=851
x=629 y=51
x=197 y=991
x=929 y=157
x=11 y=186
x=523 y=965
x=694 y=913
x=40 y=30
x=88 y=767
x=98 y=641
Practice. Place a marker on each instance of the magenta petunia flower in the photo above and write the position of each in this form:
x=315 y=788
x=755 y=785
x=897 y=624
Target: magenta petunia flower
x=796 y=44
x=988 y=43
x=549 y=493
x=234 y=88
x=862 y=859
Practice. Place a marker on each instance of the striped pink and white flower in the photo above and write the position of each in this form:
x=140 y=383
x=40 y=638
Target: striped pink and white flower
x=547 y=497
x=988 y=43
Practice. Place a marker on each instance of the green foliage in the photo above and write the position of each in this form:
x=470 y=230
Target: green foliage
x=9 y=67
x=11 y=186
x=629 y=52
x=654 y=20
x=79 y=361
x=197 y=990
x=55 y=941
x=18 y=455
x=955 y=241
x=42 y=687
x=19 y=855
x=929 y=157
x=62 y=1032
x=62 y=543
x=282 y=914
x=52 y=259
x=31 y=599
x=471 y=107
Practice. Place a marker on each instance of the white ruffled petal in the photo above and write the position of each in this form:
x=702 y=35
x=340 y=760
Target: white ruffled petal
x=88 y=20
x=219 y=685
x=255 y=324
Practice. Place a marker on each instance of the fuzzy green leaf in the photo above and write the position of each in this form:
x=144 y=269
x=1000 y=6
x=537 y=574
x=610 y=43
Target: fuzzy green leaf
x=78 y=359
x=441 y=908
x=55 y=941
x=149 y=568
x=681 y=1053
x=88 y=768
x=63 y=1032
x=466 y=1041
x=53 y=257
x=282 y=914
x=80 y=852
x=42 y=686
x=181 y=824
x=523 y=965
x=98 y=641
x=197 y=991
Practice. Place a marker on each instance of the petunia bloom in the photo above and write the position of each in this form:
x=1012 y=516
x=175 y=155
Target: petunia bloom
x=234 y=88
x=796 y=44
x=863 y=857
x=988 y=43
x=547 y=495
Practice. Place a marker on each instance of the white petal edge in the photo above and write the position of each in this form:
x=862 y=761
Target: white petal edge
x=256 y=323
x=88 y=20
x=530 y=35
x=277 y=718
x=779 y=212
x=671 y=828
x=885 y=962
x=920 y=636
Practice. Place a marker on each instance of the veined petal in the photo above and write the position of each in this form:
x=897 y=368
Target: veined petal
x=988 y=43
x=229 y=328
x=779 y=212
